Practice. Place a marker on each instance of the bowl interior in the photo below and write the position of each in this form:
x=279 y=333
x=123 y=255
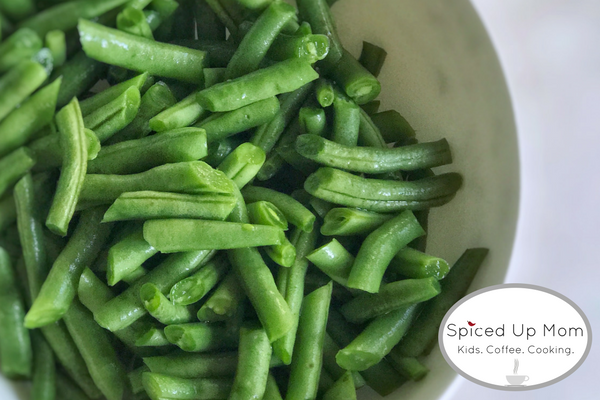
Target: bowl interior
x=443 y=75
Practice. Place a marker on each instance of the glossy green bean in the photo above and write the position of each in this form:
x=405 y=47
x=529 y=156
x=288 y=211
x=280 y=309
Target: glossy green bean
x=182 y=114
x=198 y=365
x=352 y=221
x=372 y=57
x=273 y=164
x=48 y=153
x=378 y=195
x=334 y=260
x=393 y=126
x=391 y=296
x=127 y=255
x=377 y=339
x=268 y=134
x=282 y=77
x=199 y=337
x=212 y=76
x=324 y=93
x=295 y=212
x=409 y=367
x=161 y=308
x=100 y=357
x=13 y=167
x=330 y=350
x=78 y=74
x=74 y=165
x=454 y=286
x=60 y=287
x=346 y=124
x=356 y=80
x=412 y=263
x=152 y=337
x=15 y=341
x=114 y=116
x=254 y=356
x=379 y=248
x=218 y=151
x=135 y=275
x=219 y=52
x=265 y=213
x=185 y=177
x=224 y=301
x=44 y=370
x=342 y=389
x=133 y=21
x=21 y=45
x=318 y=15
x=126 y=308
x=125 y=50
x=167 y=387
x=308 y=350
x=193 y=288
x=110 y=94
x=18 y=83
x=310 y=47
x=64 y=16
x=312 y=120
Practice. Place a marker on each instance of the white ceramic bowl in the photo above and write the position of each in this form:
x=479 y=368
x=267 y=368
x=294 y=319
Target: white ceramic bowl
x=443 y=75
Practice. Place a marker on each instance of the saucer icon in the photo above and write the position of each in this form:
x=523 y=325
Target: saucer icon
x=516 y=380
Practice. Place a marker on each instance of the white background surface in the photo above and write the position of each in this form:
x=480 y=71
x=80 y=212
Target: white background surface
x=550 y=50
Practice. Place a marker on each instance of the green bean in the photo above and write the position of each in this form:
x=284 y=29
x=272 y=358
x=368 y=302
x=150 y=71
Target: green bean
x=308 y=350
x=223 y=16
x=17 y=9
x=372 y=57
x=356 y=80
x=321 y=207
x=408 y=367
x=219 y=52
x=15 y=342
x=371 y=107
x=167 y=387
x=298 y=162
x=351 y=221
x=127 y=255
x=272 y=390
x=79 y=74
x=180 y=115
x=18 y=83
x=334 y=260
x=224 y=301
x=317 y=14
x=95 y=347
x=152 y=337
x=114 y=116
x=342 y=389
x=133 y=21
x=156 y=205
x=19 y=46
x=55 y=41
x=393 y=126
x=212 y=76
x=208 y=24
x=267 y=135
x=67 y=390
x=13 y=167
x=265 y=213
x=282 y=77
x=48 y=153
x=44 y=370
x=377 y=339
x=258 y=40
x=198 y=337
x=176 y=235
x=158 y=98
x=369 y=134
x=295 y=212
x=133 y=156
x=106 y=96
x=8 y=212
x=192 y=289
x=324 y=92
x=74 y=165
x=92 y=292
x=330 y=350
x=127 y=50
x=378 y=195
x=273 y=164
x=379 y=248
x=60 y=287
x=346 y=122
x=412 y=263
x=127 y=308
x=189 y=366
x=254 y=357
x=64 y=17
x=135 y=379
x=454 y=286
x=312 y=120
x=162 y=309
x=135 y=275
x=391 y=296
x=185 y=177
x=310 y=47
x=381 y=377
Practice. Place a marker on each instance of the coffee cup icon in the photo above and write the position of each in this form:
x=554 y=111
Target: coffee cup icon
x=517 y=379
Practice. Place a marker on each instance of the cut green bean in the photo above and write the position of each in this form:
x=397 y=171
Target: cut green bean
x=180 y=115
x=48 y=153
x=185 y=177
x=114 y=116
x=64 y=16
x=334 y=260
x=55 y=41
x=15 y=341
x=255 y=44
x=221 y=125
x=219 y=52
x=369 y=134
x=282 y=77
x=252 y=372
x=100 y=357
x=408 y=367
x=21 y=45
x=372 y=57
x=44 y=370
x=133 y=156
x=313 y=120
x=199 y=337
x=377 y=339
x=135 y=275
x=273 y=164
x=78 y=74
x=14 y=166
x=106 y=96
x=318 y=15
x=330 y=350
x=425 y=329
x=352 y=221
x=176 y=235
x=224 y=302
x=308 y=350
x=212 y=76
x=242 y=165
x=198 y=365
x=412 y=263
x=310 y=47
x=141 y=54
x=60 y=287
x=23 y=123
x=272 y=390
x=324 y=93
x=192 y=289
x=321 y=207
x=342 y=389
x=265 y=213
x=393 y=126
x=133 y=21
x=161 y=308
x=167 y=387
x=356 y=80
x=379 y=248
x=390 y=297
x=379 y=195
x=125 y=309
x=18 y=83
x=295 y=212
x=74 y=166
x=127 y=255
x=135 y=379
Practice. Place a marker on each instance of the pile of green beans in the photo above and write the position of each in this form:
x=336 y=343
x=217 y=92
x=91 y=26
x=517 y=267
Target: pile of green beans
x=199 y=199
